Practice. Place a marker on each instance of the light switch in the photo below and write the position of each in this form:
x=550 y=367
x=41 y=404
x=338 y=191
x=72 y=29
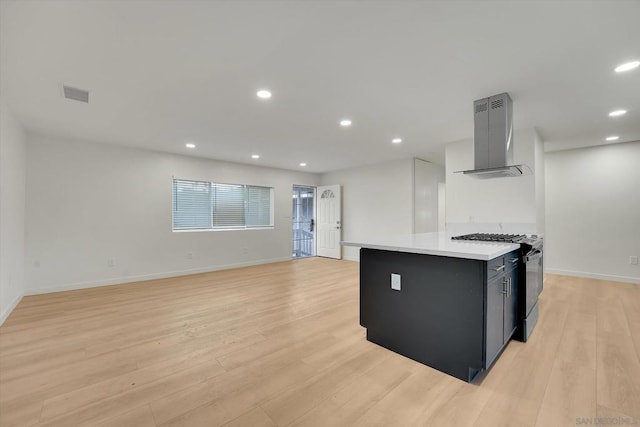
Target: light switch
x=395 y=282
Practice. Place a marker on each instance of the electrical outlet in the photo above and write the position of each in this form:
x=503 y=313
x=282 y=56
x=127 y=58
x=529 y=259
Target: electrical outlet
x=111 y=262
x=395 y=282
x=190 y=255
x=633 y=260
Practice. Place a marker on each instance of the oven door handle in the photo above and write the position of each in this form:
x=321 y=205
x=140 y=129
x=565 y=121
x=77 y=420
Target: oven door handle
x=533 y=256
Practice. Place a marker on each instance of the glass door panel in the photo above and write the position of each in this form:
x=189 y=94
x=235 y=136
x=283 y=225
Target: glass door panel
x=303 y=221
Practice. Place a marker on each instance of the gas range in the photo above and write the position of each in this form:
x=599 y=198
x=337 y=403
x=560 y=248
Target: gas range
x=532 y=241
x=491 y=237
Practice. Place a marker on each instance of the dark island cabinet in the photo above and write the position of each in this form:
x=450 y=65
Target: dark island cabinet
x=495 y=319
x=453 y=314
x=502 y=308
x=511 y=305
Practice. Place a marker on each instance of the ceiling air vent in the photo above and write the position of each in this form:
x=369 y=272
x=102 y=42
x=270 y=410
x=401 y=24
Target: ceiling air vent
x=76 y=94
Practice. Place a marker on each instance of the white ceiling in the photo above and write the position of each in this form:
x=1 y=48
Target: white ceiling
x=165 y=73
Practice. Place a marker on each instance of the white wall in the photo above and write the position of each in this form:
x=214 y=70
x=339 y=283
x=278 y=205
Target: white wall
x=540 y=182
x=376 y=199
x=481 y=204
x=426 y=203
x=12 y=203
x=593 y=212
x=88 y=203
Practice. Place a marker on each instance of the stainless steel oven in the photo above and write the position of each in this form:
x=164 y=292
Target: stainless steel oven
x=532 y=283
x=533 y=269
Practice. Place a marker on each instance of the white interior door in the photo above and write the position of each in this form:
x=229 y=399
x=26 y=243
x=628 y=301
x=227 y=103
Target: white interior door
x=329 y=203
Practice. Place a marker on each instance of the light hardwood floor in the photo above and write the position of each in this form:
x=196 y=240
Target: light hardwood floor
x=280 y=344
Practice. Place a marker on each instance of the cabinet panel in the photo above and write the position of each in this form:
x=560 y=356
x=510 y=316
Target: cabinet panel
x=502 y=300
x=495 y=320
x=510 y=304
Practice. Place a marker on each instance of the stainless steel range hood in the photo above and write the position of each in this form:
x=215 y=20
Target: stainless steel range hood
x=493 y=139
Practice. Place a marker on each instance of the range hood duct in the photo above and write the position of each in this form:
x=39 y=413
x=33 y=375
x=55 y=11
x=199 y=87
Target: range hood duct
x=493 y=139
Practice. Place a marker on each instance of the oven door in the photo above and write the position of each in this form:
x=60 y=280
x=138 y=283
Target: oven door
x=533 y=283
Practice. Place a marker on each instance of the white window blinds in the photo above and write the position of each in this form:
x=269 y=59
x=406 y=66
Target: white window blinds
x=228 y=205
x=258 y=213
x=191 y=205
x=207 y=206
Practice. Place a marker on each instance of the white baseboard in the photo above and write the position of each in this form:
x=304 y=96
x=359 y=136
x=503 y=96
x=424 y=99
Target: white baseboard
x=351 y=253
x=625 y=279
x=355 y=257
x=7 y=312
x=164 y=275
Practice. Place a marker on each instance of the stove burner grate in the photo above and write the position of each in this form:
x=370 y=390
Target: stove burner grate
x=491 y=237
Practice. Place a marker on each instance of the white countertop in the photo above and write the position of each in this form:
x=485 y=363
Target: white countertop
x=435 y=244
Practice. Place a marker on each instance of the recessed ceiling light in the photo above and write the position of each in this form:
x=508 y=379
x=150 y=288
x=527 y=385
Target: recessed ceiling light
x=255 y=156
x=345 y=122
x=613 y=138
x=628 y=66
x=190 y=145
x=303 y=164
x=263 y=93
x=396 y=140
x=617 y=113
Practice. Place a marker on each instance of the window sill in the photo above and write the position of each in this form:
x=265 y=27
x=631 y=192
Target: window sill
x=200 y=230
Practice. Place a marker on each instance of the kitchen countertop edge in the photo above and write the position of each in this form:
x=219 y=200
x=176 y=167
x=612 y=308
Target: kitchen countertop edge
x=439 y=244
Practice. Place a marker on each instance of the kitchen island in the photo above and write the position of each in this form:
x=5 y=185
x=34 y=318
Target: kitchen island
x=448 y=304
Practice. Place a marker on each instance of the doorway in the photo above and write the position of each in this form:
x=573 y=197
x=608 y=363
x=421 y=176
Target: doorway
x=329 y=221
x=304 y=244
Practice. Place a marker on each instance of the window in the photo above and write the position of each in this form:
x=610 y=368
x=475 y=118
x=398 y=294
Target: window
x=191 y=205
x=199 y=205
x=228 y=205
x=258 y=210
